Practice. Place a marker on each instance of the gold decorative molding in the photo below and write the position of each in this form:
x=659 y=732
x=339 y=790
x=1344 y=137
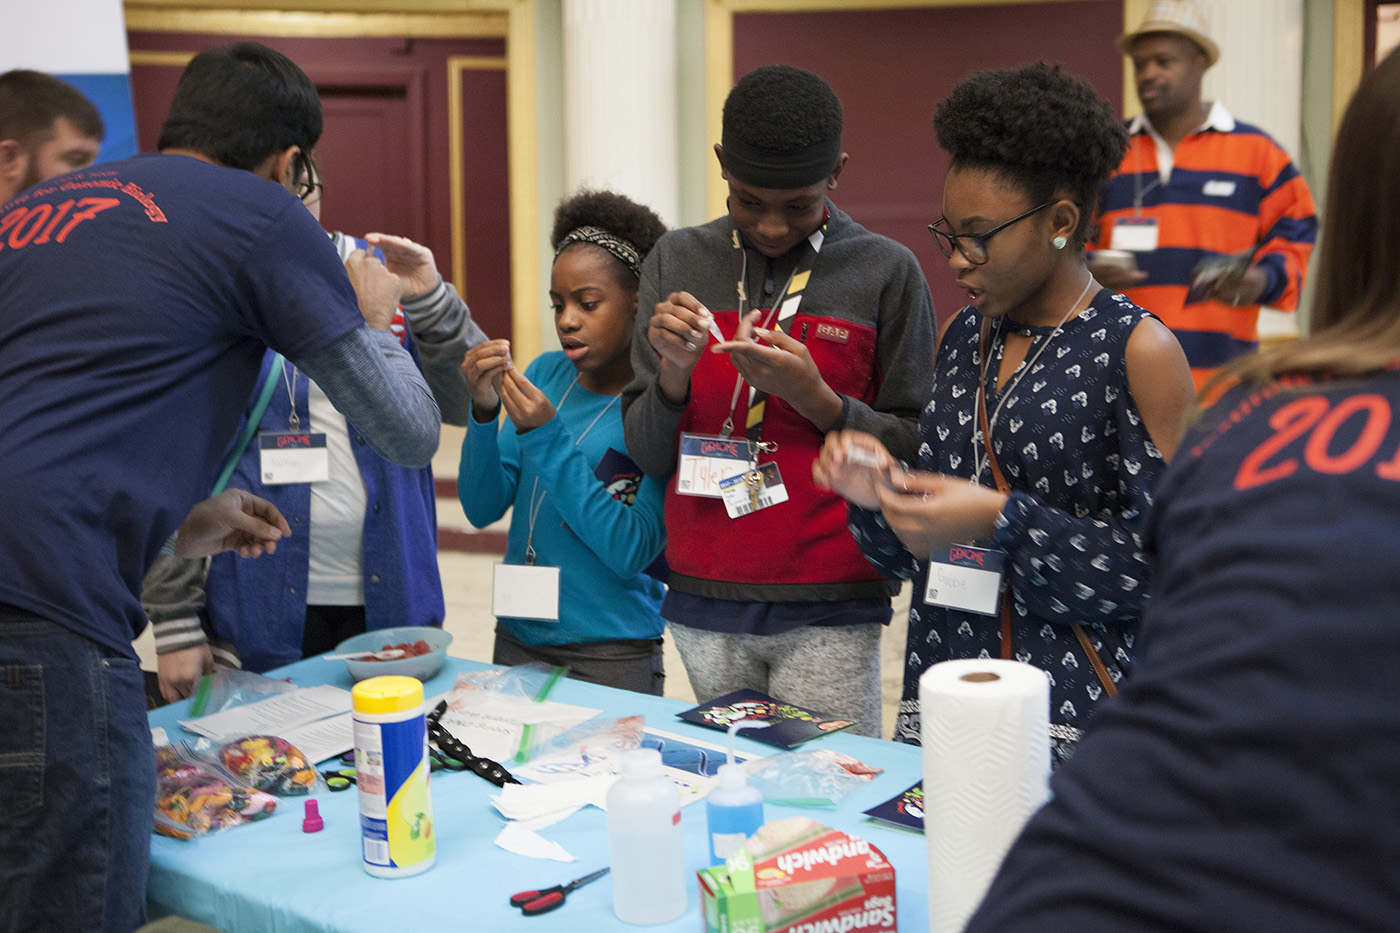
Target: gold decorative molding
x=456 y=64
x=1348 y=54
x=166 y=59
x=1133 y=13
x=330 y=6
x=305 y=24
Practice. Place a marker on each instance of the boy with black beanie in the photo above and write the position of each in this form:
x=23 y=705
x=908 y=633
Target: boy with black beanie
x=819 y=325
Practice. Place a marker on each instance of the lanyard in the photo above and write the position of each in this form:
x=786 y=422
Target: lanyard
x=536 y=504
x=293 y=422
x=784 y=307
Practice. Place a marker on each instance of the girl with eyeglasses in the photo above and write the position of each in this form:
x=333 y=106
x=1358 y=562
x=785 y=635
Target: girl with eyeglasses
x=1056 y=405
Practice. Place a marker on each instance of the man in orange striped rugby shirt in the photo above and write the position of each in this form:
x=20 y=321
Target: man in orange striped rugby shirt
x=1207 y=218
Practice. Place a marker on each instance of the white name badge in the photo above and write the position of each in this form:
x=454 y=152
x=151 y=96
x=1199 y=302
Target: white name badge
x=752 y=490
x=705 y=459
x=1135 y=234
x=966 y=578
x=293 y=458
x=1218 y=188
x=519 y=591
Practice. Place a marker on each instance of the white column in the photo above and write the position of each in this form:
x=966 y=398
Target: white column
x=1260 y=73
x=620 y=100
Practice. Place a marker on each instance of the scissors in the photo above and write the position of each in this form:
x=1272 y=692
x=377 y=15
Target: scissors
x=339 y=779
x=539 y=902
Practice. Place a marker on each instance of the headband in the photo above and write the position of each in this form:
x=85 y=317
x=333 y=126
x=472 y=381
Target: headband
x=621 y=250
x=764 y=168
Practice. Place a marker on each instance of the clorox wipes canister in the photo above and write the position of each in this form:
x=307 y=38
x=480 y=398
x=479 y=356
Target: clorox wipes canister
x=391 y=770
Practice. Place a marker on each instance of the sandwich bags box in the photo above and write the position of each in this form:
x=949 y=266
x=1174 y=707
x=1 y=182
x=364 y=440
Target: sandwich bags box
x=798 y=876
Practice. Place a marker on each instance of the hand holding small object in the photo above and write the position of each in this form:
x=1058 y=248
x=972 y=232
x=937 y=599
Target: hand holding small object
x=853 y=465
x=930 y=512
x=484 y=367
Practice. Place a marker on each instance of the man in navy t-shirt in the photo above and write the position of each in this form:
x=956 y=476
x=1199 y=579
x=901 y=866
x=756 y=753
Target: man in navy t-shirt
x=136 y=300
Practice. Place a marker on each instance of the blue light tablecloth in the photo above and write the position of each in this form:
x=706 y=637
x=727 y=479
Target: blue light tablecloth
x=270 y=877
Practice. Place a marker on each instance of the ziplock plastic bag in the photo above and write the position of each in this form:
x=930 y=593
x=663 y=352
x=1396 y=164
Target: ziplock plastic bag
x=230 y=687
x=502 y=713
x=591 y=747
x=532 y=681
x=194 y=796
x=263 y=762
x=819 y=778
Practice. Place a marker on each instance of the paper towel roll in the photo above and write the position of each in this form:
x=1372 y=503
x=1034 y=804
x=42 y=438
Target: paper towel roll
x=985 y=730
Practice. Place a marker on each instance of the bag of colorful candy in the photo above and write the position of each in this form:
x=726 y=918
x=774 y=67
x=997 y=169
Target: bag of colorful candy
x=263 y=762
x=195 y=796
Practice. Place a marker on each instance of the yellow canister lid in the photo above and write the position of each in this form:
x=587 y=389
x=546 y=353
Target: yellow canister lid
x=388 y=694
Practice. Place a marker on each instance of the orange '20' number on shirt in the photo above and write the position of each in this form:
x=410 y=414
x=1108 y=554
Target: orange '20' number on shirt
x=1318 y=416
x=25 y=225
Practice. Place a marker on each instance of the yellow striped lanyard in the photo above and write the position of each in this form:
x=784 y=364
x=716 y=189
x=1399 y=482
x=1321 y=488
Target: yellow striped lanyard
x=785 y=309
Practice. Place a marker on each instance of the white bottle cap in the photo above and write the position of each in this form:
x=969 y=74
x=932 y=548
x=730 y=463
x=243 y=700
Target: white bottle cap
x=731 y=775
x=641 y=763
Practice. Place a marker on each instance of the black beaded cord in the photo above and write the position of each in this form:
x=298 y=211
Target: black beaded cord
x=485 y=767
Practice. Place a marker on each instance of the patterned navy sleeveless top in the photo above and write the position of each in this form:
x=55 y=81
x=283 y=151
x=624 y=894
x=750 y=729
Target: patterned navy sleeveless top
x=1081 y=466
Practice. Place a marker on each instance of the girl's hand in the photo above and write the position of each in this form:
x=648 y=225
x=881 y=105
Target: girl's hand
x=484 y=366
x=931 y=512
x=525 y=403
x=853 y=464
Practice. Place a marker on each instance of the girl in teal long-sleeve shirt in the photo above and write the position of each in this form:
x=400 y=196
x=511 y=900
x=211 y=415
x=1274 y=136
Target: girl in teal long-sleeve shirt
x=580 y=504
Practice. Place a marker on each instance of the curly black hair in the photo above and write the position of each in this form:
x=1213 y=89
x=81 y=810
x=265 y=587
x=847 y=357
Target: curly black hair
x=1039 y=126
x=611 y=212
x=780 y=108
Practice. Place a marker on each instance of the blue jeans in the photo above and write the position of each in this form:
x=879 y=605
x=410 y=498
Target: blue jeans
x=77 y=781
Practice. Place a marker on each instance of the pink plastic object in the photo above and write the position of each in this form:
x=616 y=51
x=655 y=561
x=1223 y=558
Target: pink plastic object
x=312 y=822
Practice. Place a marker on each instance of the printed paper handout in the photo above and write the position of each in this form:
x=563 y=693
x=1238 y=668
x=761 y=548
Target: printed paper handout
x=905 y=809
x=789 y=724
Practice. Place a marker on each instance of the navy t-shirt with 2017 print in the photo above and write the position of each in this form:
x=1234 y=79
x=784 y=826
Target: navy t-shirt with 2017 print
x=136 y=299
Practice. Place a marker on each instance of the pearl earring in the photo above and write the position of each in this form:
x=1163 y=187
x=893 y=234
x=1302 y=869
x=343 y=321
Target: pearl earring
x=1059 y=242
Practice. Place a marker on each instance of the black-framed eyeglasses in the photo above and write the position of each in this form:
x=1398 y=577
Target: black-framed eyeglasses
x=307 y=182
x=973 y=246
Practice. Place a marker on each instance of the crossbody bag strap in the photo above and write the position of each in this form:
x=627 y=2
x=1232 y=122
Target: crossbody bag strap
x=1109 y=687
x=1002 y=485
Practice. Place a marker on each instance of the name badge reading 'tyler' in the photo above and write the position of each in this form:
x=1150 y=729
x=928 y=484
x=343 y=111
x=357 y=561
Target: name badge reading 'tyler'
x=966 y=578
x=705 y=459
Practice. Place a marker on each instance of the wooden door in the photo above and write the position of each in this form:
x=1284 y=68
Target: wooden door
x=415 y=136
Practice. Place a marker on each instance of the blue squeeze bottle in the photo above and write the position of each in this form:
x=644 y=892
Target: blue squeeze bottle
x=733 y=809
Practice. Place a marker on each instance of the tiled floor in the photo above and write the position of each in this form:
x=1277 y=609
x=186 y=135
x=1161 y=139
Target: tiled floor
x=466 y=580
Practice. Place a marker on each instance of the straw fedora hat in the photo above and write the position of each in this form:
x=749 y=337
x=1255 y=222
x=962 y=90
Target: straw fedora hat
x=1180 y=17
